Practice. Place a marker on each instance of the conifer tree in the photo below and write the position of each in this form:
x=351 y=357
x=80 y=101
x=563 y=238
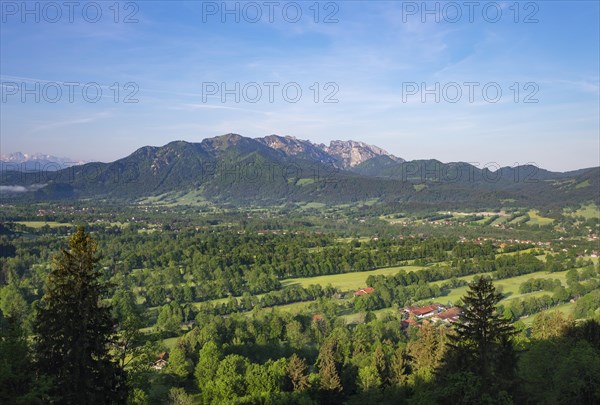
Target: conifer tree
x=481 y=330
x=381 y=365
x=330 y=382
x=400 y=366
x=74 y=330
x=296 y=371
x=481 y=361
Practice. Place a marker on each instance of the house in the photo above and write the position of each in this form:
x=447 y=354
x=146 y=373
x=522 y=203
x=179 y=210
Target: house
x=450 y=315
x=423 y=312
x=161 y=361
x=364 y=291
x=408 y=322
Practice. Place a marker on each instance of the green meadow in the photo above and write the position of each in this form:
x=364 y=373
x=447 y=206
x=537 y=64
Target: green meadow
x=347 y=281
x=588 y=211
x=40 y=224
x=536 y=219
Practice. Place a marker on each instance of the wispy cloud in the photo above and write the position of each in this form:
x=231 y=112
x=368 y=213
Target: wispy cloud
x=70 y=122
x=191 y=107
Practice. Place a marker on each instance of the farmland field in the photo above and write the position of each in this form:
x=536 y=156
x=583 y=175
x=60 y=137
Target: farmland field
x=588 y=211
x=347 y=281
x=508 y=286
x=536 y=219
x=39 y=224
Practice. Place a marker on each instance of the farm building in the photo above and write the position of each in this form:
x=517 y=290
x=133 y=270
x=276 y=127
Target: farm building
x=423 y=312
x=448 y=316
x=364 y=291
x=161 y=361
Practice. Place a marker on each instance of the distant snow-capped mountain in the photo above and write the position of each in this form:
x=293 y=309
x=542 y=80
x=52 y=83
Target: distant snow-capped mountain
x=37 y=161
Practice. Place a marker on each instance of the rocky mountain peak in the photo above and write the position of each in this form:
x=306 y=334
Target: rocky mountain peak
x=292 y=146
x=353 y=153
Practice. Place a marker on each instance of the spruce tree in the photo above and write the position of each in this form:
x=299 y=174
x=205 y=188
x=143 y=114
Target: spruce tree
x=296 y=371
x=381 y=365
x=74 y=330
x=480 y=328
x=330 y=382
x=481 y=359
x=400 y=367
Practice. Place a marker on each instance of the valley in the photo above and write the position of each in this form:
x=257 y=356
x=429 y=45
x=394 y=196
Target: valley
x=178 y=267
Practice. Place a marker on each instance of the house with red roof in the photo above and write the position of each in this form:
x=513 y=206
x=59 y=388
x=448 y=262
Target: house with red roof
x=423 y=312
x=364 y=291
x=450 y=315
x=408 y=322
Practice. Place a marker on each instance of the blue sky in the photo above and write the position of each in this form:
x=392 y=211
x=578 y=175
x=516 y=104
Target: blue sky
x=371 y=57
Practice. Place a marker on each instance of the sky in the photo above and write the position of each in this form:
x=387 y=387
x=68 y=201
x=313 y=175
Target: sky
x=483 y=82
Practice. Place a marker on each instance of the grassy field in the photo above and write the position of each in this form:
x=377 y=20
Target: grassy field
x=518 y=220
x=295 y=307
x=583 y=184
x=314 y=205
x=566 y=309
x=170 y=342
x=192 y=198
x=509 y=286
x=587 y=211
x=536 y=219
x=346 y=281
x=499 y=220
x=481 y=221
x=39 y=224
x=348 y=240
x=305 y=182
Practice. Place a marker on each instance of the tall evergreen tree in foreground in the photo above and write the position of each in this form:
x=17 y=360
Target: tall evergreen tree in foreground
x=74 y=329
x=479 y=366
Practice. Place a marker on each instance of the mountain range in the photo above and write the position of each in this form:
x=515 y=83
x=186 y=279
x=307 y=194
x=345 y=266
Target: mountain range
x=279 y=169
